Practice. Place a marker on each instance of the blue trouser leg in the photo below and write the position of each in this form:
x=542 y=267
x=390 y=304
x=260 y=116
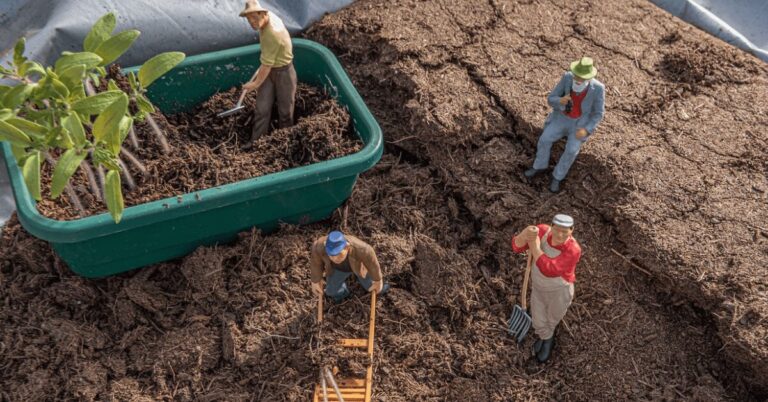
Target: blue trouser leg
x=335 y=284
x=569 y=156
x=555 y=129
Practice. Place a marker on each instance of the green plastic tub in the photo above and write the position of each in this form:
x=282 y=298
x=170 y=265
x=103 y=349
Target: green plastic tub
x=161 y=230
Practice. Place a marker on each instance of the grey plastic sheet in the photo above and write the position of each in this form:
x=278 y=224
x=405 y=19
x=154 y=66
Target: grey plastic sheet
x=190 y=26
x=742 y=23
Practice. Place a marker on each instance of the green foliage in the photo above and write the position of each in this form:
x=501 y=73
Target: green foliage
x=48 y=114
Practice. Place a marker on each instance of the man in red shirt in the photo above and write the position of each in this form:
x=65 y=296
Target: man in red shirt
x=578 y=105
x=555 y=254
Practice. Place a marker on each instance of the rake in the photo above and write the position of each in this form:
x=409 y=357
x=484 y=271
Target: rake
x=520 y=321
x=239 y=106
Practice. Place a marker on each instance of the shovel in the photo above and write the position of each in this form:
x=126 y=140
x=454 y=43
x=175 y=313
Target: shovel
x=239 y=105
x=520 y=321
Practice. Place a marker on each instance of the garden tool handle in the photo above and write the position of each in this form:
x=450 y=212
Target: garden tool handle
x=242 y=96
x=320 y=308
x=525 y=280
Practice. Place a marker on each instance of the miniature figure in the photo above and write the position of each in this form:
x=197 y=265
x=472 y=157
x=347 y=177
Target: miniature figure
x=555 y=254
x=339 y=256
x=578 y=103
x=275 y=78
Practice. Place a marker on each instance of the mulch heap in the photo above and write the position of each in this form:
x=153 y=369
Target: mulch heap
x=654 y=316
x=206 y=150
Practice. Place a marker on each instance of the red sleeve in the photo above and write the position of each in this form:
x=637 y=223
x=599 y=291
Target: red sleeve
x=542 y=230
x=561 y=265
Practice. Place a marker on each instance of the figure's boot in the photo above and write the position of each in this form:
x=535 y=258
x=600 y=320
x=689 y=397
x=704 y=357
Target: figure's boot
x=546 y=349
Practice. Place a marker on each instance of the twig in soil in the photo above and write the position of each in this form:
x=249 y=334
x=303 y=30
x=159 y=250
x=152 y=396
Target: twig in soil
x=69 y=190
x=631 y=263
x=159 y=134
x=277 y=336
x=324 y=386
x=127 y=175
x=134 y=161
x=91 y=179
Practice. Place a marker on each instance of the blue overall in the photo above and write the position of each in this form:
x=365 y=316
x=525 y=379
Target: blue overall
x=559 y=125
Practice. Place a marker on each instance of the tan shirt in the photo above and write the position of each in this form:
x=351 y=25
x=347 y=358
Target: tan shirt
x=276 y=46
x=360 y=253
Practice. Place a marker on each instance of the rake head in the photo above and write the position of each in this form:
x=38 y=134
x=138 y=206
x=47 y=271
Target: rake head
x=230 y=111
x=519 y=323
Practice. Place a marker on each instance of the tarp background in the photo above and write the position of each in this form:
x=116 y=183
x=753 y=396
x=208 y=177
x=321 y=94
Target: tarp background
x=198 y=26
x=189 y=26
x=742 y=23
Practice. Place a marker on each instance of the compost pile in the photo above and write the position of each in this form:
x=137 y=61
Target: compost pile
x=670 y=295
x=207 y=151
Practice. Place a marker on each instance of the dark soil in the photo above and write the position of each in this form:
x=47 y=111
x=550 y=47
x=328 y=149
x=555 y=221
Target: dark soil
x=670 y=203
x=206 y=150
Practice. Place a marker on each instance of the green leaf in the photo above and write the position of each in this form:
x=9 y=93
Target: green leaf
x=18 y=52
x=5 y=114
x=96 y=104
x=107 y=126
x=31 y=67
x=28 y=127
x=61 y=138
x=65 y=168
x=114 y=195
x=18 y=95
x=125 y=126
x=31 y=173
x=100 y=32
x=73 y=76
x=60 y=88
x=20 y=153
x=4 y=90
x=95 y=78
x=155 y=67
x=112 y=85
x=74 y=126
x=144 y=104
x=133 y=82
x=88 y=59
x=115 y=46
x=103 y=157
x=13 y=135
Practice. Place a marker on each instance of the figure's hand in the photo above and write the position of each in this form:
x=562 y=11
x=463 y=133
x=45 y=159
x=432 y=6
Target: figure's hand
x=565 y=99
x=531 y=232
x=317 y=288
x=581 y=133
x=249 y=86
x=376 y=286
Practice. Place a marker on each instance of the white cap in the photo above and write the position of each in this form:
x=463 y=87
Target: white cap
x=562 y=220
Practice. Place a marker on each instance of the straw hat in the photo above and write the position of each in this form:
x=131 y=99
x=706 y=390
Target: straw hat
x=252 y=6
x=584 y=68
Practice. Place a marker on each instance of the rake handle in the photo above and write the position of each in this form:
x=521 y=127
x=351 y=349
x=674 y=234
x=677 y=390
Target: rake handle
x=320 y=308
x=525 y=281
x=242 y=96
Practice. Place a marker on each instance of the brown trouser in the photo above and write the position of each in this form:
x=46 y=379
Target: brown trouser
x=281 y=85
x=549 y=302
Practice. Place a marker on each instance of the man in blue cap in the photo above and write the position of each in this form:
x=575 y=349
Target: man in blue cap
x=555 y=254
x=336 y=257
x=578 y=105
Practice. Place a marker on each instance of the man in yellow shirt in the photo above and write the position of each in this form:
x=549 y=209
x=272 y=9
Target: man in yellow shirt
x=276 y=77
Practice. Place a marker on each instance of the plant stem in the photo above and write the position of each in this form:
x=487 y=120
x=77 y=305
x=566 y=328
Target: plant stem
x=159 y=133
x=100 y=172
x=69 y=190
x=134 y=161
x=89 y=90
x=127 y=175
x=91 y=179
x=133 y=138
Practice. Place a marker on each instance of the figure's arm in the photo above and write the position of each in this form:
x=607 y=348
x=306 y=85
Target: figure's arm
x=558 y=92
x=261 y=75
x=371 y=263
x=558 y=266
x=597 y=113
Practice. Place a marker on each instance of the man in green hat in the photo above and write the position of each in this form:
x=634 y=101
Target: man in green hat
x=276 y=78
x=578 y=103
